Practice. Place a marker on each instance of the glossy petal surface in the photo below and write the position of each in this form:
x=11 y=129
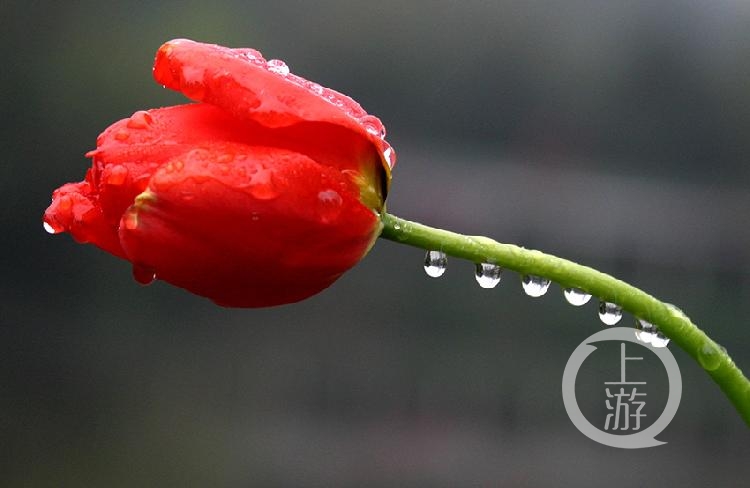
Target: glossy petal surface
x=262 y=193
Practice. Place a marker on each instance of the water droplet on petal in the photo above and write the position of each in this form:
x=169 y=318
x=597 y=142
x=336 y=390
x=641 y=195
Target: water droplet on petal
x=192 y=82
x=609 y=313
x=329 y=205
x=535 y=286
x=130 y=220
x=648 y=333
x=388 y=155
x=225 y=158
x=709 y=356
x=373 y=125
x=435 y=263
x=140 y=120
x=262 y=185
x=315 y=88
x=278 y=66
x=143 y=274
x=488 y=275
x=122 y=135
x=576 y=296
x=116 y=175
x=51 y=229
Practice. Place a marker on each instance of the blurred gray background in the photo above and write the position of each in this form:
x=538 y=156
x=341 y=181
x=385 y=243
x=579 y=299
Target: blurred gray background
x=612 y=133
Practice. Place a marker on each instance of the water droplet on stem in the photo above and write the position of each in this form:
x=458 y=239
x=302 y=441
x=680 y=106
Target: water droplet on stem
x=609 y=313
x=648 y=333
x=435 y=263
x=488 y=275
x=535 y=286
x=576 y=296
x=709 y=356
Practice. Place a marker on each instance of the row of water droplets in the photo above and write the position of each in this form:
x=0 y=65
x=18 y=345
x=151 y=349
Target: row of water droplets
x=351 y=108
x=488 y=275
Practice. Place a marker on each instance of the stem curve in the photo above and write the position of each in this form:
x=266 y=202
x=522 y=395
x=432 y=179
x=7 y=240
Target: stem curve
x=674 y=324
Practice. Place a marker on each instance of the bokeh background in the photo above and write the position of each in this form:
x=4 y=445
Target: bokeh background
x=613 y=133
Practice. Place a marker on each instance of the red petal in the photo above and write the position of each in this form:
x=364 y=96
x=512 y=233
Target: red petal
x=248 y=226
x=245 y=84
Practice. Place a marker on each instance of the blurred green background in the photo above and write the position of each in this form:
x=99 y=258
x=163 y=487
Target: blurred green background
x=613 y=133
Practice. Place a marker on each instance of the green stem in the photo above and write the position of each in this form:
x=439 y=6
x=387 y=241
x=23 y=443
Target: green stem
x=670 y=320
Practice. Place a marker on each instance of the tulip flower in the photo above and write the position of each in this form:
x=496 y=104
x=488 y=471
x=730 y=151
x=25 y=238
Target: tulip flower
x=263 y=192
x=270 y=187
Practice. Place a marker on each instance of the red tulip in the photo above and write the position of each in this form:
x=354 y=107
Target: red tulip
x=262 y=193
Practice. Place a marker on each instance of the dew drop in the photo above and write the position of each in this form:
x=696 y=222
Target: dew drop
x=316 y=88
x=116 y=175
x=50 y=228
x=389 y=158
x=675 y=311
x=576 y=296
x=435 y=263
x=609 y=313
x=140 y=120
x=659 y=340
x=122 y=135
x=225 y=158
x=329 y=205
x=143 y=274
x=130 y=220
x=192 y=82
x=278 y=66
x=648 y=333
x=250 y=55
x=488 y=275
x=709 y=356
x=262 y=185
x=373 y=125
x=535 y=286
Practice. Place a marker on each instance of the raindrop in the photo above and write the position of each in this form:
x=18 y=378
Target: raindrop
x=389 y=157
x=278 y=66
x=49 y=228
x=373 y=125
x=143 y=274
x=576 y=296
x=329 y=205
x=130 y=220
x=609 y=313
x=262 y=185
x=316 y=88
x=116 y=175
x=122 y=135
x=488 y=275
x=435 y=263
x=675 y=311
x=535 y=286
x=140 y=120
x=648 y=333
x=709 y=356
x=659 y=340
